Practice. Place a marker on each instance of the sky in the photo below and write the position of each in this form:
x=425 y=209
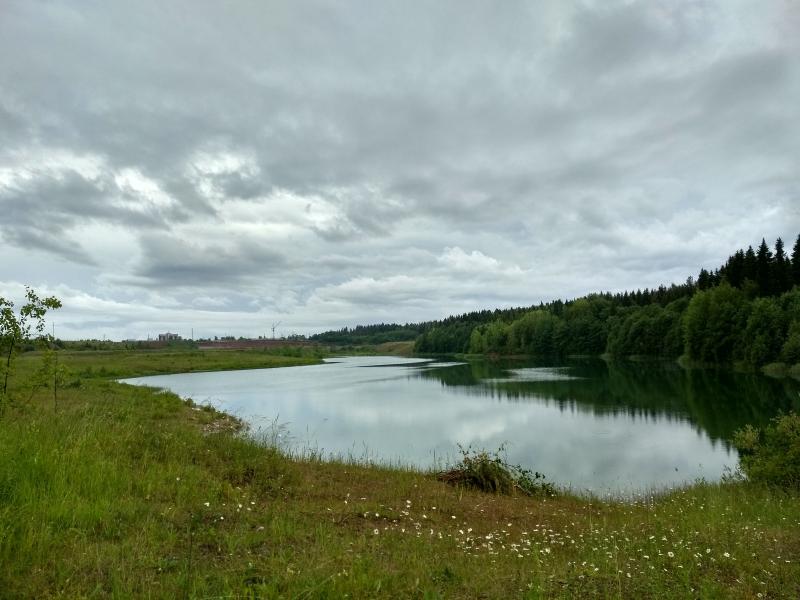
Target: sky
x=218 y=167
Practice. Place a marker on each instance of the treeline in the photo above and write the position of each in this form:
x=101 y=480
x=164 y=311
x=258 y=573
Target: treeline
x=454 y=332
x=760 y=273
x=369 y=334
x=748 y=310
x=573 y=328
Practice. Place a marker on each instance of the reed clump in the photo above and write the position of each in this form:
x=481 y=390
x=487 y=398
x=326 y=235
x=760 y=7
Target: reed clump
x=491 y=472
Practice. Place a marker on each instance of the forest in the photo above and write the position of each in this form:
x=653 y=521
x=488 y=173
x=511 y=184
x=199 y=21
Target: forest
x=746 y=311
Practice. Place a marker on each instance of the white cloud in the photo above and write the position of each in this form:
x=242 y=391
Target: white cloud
x=475 y=263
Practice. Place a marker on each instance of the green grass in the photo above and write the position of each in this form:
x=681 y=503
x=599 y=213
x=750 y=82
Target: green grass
x=130 y=492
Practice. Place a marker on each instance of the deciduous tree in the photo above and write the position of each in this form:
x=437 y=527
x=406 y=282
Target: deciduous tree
x=18 y=327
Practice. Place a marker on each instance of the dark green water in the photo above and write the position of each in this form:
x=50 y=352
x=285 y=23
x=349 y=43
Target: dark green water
x=716 y=402
x=587 y=424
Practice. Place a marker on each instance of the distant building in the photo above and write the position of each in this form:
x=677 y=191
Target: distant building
x=168 y=337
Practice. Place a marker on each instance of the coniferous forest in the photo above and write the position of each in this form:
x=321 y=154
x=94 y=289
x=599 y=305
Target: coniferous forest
x=746 y=311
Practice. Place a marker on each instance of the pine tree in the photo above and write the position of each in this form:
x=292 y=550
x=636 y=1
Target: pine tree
x=764 y=269
x=796 y=262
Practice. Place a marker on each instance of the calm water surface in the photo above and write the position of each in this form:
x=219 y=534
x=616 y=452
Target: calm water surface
x=587 y=424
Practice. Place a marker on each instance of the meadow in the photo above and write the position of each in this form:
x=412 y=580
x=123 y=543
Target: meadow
x=122 y=491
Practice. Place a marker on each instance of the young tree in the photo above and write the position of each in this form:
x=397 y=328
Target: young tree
x=19 y=327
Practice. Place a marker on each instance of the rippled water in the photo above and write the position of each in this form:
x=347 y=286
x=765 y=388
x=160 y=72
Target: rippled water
x=586 y=424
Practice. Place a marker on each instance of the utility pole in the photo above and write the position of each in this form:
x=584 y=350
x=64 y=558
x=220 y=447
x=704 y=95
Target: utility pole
x=274 y=325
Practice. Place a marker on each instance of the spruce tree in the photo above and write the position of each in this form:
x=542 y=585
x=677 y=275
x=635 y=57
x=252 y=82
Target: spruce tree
x=734 y=270
x=781 y=274
x=796 y=262
x=703 y=280
x=764 y=269
x=716 y=277
x=749 y=271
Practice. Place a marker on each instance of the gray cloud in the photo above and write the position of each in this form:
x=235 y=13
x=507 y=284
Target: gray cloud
x=42 y=210
x=25 y=236
x=170 y=262
x=322 y=161
x=615 y=38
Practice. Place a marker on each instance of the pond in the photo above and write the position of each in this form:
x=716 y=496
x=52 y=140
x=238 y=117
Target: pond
x=586 y=424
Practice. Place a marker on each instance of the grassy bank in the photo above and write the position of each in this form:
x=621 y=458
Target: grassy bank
x=117 y=364
x=130 y=492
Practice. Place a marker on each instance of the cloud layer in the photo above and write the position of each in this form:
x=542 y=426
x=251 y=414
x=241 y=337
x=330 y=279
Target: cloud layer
x=323 y=164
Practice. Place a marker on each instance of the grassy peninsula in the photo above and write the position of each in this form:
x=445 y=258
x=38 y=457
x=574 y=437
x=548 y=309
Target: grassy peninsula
x=122 y=491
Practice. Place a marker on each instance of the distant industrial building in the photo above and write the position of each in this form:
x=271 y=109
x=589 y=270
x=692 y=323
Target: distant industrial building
x=229 y=343
x=168 y=337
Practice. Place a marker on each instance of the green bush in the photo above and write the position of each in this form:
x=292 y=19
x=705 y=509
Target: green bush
x=487 y=472
x=771 y=455
x=790 y=353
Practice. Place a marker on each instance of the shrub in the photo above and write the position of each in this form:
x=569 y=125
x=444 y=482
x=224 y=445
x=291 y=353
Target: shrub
x=487 y=472
x=771 y=455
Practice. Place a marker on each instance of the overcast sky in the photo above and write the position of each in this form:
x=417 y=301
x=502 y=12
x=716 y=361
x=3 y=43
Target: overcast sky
x=225 y=165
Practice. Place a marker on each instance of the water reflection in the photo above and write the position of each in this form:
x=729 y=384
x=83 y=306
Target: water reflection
x=585 y=423
x=716 y=402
